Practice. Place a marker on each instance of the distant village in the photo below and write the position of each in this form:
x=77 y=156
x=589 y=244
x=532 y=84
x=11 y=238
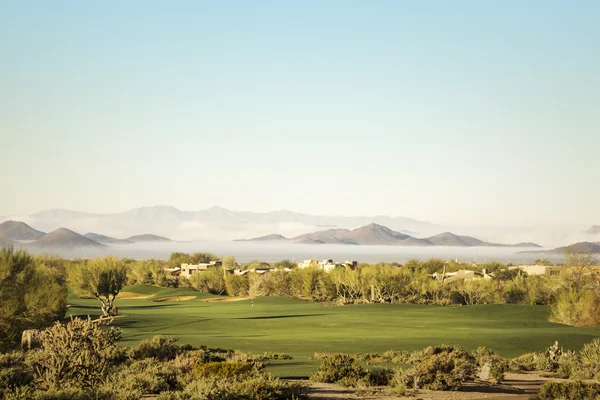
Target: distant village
x=187 y=270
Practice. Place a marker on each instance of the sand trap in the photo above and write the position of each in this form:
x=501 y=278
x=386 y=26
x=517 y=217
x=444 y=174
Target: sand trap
x=132 y=295
x=226 y=299
x=174 y=298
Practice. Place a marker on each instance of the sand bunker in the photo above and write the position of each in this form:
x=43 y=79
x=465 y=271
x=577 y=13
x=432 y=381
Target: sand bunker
x=174 y=298
x=226 y=299
x=132 y=295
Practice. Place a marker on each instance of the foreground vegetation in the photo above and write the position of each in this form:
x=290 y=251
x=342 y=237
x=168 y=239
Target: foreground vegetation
x=298 y=312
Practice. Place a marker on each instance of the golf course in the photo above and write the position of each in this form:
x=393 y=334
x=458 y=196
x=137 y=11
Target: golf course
x=301 y=328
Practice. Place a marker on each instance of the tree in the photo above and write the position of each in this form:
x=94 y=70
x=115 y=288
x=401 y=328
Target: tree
x=229 y=262
x=32 y=296
x=101 y=279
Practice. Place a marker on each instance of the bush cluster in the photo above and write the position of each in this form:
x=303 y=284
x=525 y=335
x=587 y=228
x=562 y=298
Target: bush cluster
x=81 y=360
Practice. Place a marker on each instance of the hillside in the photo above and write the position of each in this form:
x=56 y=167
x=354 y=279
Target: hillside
x=96 y=237
x=272 y=237
x=451 y=239
x=16 y=230
x=593 y=230
x=580 y=247
x=65 y=239
x=375 y=234
x=147 y=238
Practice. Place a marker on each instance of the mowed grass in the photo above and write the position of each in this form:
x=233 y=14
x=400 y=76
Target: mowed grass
x=302 y=328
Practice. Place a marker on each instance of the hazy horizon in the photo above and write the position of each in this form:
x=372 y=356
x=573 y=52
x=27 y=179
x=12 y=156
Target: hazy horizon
x=461 y=114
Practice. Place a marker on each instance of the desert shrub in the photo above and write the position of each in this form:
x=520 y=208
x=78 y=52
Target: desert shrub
x=569 y=391
x=525 y=362
x=548 y=359
x=13 y=371
x=498 y=365
x=338 y=368
x=72 y=393
x=78 y=354
x=395 y=356
x=399 y=389
x=159 y=347
x=568 y=364
x=269 y=355
x=262 y=387
x=227 y=369
x=441 y=368
x=380 y=376
x=145 y=377
x=590 y=353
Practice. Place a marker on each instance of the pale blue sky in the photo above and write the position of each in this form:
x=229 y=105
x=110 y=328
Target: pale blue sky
x=454 y=112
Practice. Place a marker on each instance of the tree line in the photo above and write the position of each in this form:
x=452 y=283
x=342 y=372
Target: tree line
x=33 y=289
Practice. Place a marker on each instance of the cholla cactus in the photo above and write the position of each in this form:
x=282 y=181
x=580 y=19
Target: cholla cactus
x=78 y=353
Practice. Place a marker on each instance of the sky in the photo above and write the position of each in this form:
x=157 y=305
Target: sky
x=453 y=112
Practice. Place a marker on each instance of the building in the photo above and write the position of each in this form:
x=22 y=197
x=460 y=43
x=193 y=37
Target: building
x=307 y=263
x=461 y=275
x=188 y=269
x=549 y=270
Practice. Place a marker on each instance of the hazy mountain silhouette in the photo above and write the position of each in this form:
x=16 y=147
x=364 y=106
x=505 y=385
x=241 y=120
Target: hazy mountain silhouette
x=451 y=239
x=66 y=239
x=375 y=234
x=272 y=237
x=215 y=223
x=16 y=230
x=147 y=238
x=593 y=230
x=96 y=237
x=580 y=247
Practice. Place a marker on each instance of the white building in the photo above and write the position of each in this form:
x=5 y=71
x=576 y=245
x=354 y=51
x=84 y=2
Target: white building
x=549 y=270
x=188 y=269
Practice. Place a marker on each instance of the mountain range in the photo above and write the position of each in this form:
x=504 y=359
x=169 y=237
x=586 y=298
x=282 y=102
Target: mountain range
x=375 y=234
x=579 y=247
x=214 y=224
x=12 y=232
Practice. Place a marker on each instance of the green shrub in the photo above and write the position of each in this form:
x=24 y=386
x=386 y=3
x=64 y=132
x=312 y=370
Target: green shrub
x=395 y=356
x=77 y=354
x=13 y=371
x=498 y=365
x=226 y=369
x=380 y=376
x=441 y=368
x=337 y=368
x=590 y=353
x=147 y=376
x=159 y=347
x=548 y=359
x=525 y=362
x=262 y=387
x=568 y=364
x=569 y=391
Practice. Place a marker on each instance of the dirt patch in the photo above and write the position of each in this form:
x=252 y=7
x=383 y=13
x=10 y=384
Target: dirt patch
x=515 y=387
x=174 y=298
x=226 y=299
x=132 y=295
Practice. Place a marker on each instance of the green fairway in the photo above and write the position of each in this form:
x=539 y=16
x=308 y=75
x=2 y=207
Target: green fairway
x=303 y=328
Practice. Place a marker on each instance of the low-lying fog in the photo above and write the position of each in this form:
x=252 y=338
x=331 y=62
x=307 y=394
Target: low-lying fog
x=245 y=251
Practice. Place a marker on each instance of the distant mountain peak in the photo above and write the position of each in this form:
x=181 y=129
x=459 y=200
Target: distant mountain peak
x=593 y=230
x=65 y=238
x=148 y=238
x=17 y=230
